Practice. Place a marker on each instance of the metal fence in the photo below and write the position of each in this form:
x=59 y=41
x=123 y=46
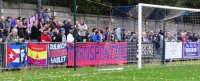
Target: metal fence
x=109 y=53
x=90 y=54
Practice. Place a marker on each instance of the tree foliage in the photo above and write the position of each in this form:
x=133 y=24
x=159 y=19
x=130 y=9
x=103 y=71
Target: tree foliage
x=102 y=6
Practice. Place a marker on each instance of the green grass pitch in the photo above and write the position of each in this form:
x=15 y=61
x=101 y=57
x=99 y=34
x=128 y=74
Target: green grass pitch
x=181 y=71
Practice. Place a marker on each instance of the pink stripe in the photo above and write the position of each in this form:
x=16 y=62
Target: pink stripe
x=36 y=62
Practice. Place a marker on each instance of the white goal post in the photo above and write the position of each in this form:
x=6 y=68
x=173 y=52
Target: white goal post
x=140 y=19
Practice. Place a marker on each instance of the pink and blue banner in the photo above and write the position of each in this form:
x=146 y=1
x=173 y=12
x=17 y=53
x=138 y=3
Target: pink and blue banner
x=92 y=54
x=191 y=50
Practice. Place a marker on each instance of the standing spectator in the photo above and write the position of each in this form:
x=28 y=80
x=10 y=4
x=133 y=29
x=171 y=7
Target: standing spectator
x=185 y=37
x=132 y=37
x=13 y=37
x=12 y=23
x=57 y=36
x=91 y=35
x=21 y=31
x=156 y=41
x=161 y=32
x=101 y=35
x=24 y=23
x=169 y=37
x=70 y=38
x=113 y=35
x=47 y=15
x=160 y=49
x=123 y=35
x=41 y=24
x=47 y=26
x=20 y=19
x=82 y=29
x=67 y=26
x=179 y=35
x=150 y=36
x=7 y=24
x=16 y=23
x=2 y=29
x=45 y=37
x=195 y=38
x=42 y=13
x=145 y=38
x=35 y=33
x=96 y=37
x=190 y=38
x=106 y=34
x=59 y=26
x=64 y=38
x=118 y=35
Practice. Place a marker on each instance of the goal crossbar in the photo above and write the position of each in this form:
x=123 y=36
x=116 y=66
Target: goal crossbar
x=169 y=7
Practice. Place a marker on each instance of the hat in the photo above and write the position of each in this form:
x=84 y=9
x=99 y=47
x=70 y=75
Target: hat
x=62 y=29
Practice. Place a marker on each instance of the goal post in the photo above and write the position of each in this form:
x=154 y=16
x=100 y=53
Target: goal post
x=139 y=36
x=140 y=11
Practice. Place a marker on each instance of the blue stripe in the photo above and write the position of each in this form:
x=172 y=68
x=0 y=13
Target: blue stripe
x=16 y=46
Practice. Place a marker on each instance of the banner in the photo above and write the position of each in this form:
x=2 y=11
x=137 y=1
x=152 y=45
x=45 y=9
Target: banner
x=191 y=50
x=37 y=54
x=98 y=54
x=16 y=55
x=173 y=50
x=57 y=53
x=147 y=50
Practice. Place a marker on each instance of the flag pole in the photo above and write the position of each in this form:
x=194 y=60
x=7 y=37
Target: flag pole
x=75 y=35
x=164 y=35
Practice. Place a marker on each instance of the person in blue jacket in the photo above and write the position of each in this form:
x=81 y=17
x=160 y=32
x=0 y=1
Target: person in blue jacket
x=96 y=37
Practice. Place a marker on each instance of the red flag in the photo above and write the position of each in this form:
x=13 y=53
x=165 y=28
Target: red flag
x=10 y=55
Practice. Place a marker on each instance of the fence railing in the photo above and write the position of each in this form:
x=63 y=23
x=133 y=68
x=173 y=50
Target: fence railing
x=27 y=56
x=47 y=55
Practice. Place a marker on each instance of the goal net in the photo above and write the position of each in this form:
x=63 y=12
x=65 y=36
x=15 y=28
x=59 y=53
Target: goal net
x=156 y=36
x=167 y=35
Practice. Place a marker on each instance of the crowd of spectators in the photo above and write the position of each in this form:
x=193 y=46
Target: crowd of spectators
x=180 y=36
x=156 y=38
x=48 y=29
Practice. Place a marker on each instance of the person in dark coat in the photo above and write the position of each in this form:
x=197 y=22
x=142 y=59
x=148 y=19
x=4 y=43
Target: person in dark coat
x=67 y=26
x=21 y=31
x=156 y=41
x=57 y=36
x=35 y=33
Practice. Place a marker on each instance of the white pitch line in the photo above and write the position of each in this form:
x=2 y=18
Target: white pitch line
x=110 y=69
